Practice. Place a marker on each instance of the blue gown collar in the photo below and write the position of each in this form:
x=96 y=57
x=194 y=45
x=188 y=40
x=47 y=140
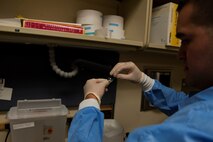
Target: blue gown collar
x=204 y=95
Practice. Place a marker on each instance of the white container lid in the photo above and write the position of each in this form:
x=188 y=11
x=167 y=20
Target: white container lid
x=114 y=17
x=89 y=20
x=37 y=109
x=88 y=12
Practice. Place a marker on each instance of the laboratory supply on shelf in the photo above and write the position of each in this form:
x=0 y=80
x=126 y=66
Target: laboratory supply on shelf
x=13 y=22
x=53 y=26
x=38 y=121
x=90 y=19
x=163 y=25
x=114 y=25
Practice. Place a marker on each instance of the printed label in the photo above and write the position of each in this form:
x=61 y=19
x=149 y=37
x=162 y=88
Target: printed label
x=23 y=125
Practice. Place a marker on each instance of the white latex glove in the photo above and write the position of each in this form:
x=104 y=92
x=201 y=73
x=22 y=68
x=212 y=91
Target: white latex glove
x=96 y=87
x=128 y=71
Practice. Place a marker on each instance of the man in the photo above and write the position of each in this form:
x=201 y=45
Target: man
x=190 y=117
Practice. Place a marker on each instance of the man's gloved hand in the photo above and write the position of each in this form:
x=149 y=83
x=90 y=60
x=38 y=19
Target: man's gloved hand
x=128 y=71
x=96 y=87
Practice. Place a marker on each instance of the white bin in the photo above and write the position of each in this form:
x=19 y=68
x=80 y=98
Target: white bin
x=38 y=121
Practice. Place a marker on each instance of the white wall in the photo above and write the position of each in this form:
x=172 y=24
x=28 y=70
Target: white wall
x=128 y=97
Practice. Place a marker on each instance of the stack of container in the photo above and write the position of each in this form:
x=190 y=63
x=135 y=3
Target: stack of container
x=94 y=23
x=114 y=25
x=91 y=20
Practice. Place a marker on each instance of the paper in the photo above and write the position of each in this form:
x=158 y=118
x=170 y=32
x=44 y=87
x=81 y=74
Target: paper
x=6 y=93
x=14 y=22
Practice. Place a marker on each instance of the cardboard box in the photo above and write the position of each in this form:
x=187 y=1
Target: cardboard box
x=163 y=25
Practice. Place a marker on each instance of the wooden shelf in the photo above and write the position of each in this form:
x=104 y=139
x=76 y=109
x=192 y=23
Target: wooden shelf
x=35 y=36
x=153 y=47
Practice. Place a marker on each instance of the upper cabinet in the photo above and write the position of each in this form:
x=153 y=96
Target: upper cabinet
x=134 y=12
x=137 y=16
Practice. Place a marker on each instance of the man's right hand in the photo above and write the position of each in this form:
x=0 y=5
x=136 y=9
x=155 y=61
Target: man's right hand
x=128 y=71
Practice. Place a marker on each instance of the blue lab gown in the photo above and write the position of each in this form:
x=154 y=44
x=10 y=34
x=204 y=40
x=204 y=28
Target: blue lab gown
x=191 y=119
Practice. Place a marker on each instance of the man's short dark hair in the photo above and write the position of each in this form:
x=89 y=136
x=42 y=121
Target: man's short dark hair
x=203 y=11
